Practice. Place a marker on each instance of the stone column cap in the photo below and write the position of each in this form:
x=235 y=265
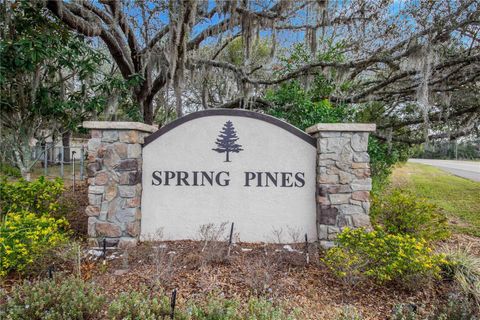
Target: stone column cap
x=119 y=125
x=346 y=127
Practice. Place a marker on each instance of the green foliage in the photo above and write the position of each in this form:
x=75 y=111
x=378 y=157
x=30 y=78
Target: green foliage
x=28 y=229
x=233 y=53
x=401 y=212
x=215 y=309
x=24 y=235
x=139 y=305
x=9 y=171
x=382 y=161
x=70 y=298
x=300 y=55
x=47 y=79
x=224 y=309
x=39 y=46
x=116 y=86
x=304 y=106
x=297 y=106
x=465 y=150
x=40 y=196
x=383 y=257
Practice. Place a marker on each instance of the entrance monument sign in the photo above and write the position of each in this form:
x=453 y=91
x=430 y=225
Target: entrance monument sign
x=219 y=166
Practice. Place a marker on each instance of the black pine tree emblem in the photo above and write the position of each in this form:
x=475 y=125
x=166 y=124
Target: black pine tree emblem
x=227 y=141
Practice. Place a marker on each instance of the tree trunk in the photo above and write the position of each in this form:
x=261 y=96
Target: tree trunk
x=148 y=111
x=23 y=159
x=66 y=145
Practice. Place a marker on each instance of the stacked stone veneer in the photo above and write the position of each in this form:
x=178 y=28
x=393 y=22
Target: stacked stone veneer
x=115 y=181
x=343 y=178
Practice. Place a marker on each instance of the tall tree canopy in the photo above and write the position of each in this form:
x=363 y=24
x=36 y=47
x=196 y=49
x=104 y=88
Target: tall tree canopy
x=47 y=84
x=423 y=54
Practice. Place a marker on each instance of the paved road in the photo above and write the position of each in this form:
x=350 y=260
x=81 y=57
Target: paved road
x=465 y=169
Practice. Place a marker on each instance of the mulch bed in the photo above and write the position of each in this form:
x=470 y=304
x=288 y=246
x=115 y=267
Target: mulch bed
x=72 y=207
x=266 y=270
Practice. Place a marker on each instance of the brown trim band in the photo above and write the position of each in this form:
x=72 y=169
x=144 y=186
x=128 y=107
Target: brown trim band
x=232 y=112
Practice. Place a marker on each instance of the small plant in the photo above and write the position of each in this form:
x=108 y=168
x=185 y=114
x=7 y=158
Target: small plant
x=464 y=267
x=383 y=257
x=263 y=309
x=55 y=299
x=349 y=313
x=9 y=171
x=164 y=264
x=458 y=307
x=224 y=309
x=140 y=305
x=215 y=309
x=215 y=245
x=259 y=275
x=401 y=212
x=404 y=311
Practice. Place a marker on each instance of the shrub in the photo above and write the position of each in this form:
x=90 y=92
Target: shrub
x=404 y=312
x=39 y=196
x=215 y=309
x=458 y=307
x=70 y=298
x=348 y=312
x=140 y=305
x=401 y=212
x=383 y=257
x=24 y=235
x=9 y=171
x=27 y=229
x=224 y=309
x=383 y=159
x=464 y=267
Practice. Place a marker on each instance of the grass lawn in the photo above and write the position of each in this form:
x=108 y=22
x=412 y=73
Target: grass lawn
x=459 y=197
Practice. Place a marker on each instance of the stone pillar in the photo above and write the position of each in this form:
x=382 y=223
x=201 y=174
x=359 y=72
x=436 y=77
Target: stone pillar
x=343 y=178
x=114 y=172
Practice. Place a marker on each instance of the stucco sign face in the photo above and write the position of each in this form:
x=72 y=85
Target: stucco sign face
x=222 y=166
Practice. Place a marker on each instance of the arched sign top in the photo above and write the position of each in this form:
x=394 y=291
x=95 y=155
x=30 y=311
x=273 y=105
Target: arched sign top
x=232 y=112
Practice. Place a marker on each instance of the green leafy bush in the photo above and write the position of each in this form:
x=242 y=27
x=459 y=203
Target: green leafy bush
x=71 y=298
x=300 y=108
x=39 y=196
x=401 y=212
x=9 y=171
x=217 y=308
x=383 y=159
x=383 y=257
x=25 y=235
x=27 y=228
x=140 y=305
